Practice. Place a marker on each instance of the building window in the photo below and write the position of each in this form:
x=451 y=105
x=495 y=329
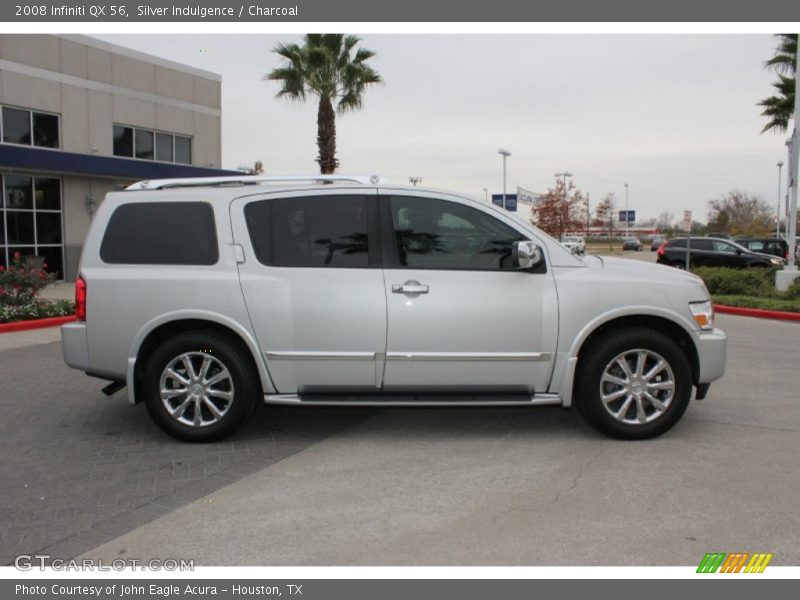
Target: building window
x=123 y=141
x=30 y=127
x=146 y=144
x=31 y=220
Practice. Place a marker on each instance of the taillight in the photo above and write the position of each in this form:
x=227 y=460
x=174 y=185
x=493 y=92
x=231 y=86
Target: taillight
x=80 y=299
x=661 y=248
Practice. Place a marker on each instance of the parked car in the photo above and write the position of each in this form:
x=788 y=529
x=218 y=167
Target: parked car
x=207 y=296
x=765 y=245
x=632 y=243
x=656 y=242
x=711 y=252
x=575 y=244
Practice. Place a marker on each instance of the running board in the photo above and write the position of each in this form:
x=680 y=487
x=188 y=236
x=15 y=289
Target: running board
x=414 y=399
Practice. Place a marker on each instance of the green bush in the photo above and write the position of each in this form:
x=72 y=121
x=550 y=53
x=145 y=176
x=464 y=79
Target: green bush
x=738 y=282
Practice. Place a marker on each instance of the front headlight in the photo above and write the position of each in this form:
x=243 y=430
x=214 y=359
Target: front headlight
x=776 y=261
x=703 y=314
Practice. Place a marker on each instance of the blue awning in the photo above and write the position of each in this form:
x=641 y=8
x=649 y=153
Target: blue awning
x=93 y=165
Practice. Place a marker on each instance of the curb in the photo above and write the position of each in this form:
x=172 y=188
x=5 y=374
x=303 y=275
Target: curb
x=35 y=324
x=759 y=313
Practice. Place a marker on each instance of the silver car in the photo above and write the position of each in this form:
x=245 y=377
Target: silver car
x=207 y=296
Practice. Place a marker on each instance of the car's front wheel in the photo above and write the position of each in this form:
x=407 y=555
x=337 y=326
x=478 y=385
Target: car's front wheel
x=200 y=387
x=633 y=383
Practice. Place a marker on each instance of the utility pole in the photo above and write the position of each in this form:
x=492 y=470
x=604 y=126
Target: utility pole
x=778 y=211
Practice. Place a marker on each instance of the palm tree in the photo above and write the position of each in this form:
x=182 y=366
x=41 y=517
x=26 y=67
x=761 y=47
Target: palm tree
x=778 y=109
x=324 y=66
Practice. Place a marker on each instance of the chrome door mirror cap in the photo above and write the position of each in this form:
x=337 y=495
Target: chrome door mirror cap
x=527 y=255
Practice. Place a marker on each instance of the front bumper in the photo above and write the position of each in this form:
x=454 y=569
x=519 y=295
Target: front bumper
x=74 y=345
x=712 y=349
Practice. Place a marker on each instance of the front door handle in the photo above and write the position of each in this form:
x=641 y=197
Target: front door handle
x=410 y=287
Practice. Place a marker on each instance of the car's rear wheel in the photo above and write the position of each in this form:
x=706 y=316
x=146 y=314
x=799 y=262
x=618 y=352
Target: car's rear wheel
x=633 y=383
x=200 y=387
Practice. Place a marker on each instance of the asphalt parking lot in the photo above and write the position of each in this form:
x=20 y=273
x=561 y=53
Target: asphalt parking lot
x=82 y=473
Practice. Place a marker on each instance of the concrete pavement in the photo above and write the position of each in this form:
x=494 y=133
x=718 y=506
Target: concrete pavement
x=521 y=486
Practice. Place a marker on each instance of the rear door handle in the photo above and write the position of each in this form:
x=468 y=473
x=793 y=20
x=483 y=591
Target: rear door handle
x=410 y=287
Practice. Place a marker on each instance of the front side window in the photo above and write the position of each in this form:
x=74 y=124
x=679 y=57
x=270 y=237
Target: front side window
x=317 y=231
x=724 y=247
x=437 y=234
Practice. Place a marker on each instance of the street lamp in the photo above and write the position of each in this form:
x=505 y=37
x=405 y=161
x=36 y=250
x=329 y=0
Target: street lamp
x=627 y=214
x=415 y=179
x=778 y=211
x=564 y=175
x=505 y=154
x=486 y=194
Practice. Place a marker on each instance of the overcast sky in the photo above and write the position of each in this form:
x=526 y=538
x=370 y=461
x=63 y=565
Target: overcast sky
x=672 y=115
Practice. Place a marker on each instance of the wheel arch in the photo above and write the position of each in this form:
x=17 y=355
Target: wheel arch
x=667 y=326
x=161 y=328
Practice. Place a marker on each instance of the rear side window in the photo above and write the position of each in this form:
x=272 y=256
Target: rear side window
x=161 y=233
x=316 y=231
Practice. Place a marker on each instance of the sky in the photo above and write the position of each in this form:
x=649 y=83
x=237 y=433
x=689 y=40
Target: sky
x=672 y=115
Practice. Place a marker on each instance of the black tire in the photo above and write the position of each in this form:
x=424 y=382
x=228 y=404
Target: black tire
x=241 y=383
x=599 y=355
x=679 y=264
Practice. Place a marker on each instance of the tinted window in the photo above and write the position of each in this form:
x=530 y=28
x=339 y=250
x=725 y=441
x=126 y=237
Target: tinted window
x=325 y=231
x=163 y=233
x=436 y=234
x=19 y=225
x=144 y=144
x=19 y=191
x=723 y=247
x=183 y=149
x=701 y=244
x=47 y=193
x=45 y=130
x=164 y=147
x=123 y=141
x=16 y=126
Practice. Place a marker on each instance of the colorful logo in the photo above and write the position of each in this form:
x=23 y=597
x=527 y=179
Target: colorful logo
x=736 y=562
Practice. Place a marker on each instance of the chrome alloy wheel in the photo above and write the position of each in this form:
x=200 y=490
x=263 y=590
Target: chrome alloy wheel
x=637 y=386
x=196 y=389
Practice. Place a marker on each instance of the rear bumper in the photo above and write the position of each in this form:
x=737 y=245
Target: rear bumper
x=74 y=345
x=712 y=349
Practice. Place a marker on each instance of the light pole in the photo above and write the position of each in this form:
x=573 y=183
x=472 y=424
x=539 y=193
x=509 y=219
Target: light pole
x=627 y=214
x=778 y=211
x=415 y=179
x=505 y=154
x=486 y=194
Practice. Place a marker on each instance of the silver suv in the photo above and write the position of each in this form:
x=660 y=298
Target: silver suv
x=206 y=296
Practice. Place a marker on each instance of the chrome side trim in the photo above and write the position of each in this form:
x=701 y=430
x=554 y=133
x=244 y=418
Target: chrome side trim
x=320 y=355
x=470 y=356
x=295 y=399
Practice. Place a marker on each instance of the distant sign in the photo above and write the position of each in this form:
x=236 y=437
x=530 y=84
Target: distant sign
x=687 y=220
x=511 y=201
x=627 y=216
x=526 y=196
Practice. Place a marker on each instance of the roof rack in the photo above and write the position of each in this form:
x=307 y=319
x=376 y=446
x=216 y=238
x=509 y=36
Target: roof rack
x=230 y=180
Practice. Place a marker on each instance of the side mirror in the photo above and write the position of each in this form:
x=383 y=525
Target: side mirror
x=527 y=255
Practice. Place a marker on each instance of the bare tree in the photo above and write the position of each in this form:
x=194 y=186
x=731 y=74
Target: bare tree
x=604 y=215
x=561 y=210
x=738 y=212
